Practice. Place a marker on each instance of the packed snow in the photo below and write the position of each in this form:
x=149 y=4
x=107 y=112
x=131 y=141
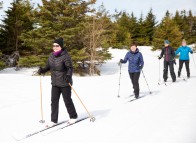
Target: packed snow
x=168 y=115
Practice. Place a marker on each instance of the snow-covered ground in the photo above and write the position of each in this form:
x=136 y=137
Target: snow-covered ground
x=168 y=115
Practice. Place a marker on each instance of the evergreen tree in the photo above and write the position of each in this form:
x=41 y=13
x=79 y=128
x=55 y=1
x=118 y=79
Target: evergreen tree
x=167 y=14
x=1 y=5
x=1 y=37
x=122 y=36
x=142 y=35
x=186 y=25
x=149 y=25
x=56 y=19
x=191 y=22
x=167 y=29
x=193 y=32
x=178 y=19
x=133 y=27
x=17 y=21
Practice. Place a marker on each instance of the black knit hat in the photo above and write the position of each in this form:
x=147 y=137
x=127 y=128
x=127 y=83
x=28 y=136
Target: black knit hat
x=59 y=41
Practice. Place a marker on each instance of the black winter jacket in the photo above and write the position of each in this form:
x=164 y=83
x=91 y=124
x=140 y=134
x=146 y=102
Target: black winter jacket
x=59 y=66
x=168 y=53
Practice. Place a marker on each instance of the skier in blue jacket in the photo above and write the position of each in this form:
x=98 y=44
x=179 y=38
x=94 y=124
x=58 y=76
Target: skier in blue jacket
x=136 y=64
x=184 y=51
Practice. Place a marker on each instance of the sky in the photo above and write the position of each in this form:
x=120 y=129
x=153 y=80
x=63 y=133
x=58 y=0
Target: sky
x=136 y=6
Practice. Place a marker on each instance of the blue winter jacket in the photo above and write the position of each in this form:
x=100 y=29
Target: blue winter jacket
x=184 y=52
x=135 y=59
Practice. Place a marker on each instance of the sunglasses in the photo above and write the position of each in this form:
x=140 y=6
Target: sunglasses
x=55 y=45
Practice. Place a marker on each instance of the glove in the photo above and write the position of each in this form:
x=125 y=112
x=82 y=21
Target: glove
x=140 y=67
x=68 y=78
x=121 y=60
x=40 y=70
x=159 y=58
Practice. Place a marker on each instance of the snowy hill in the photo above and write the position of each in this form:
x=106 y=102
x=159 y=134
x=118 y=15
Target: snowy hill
x=167 y=115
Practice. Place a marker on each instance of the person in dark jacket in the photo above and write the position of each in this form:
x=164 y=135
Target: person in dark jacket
x=184 y=51
x=169 y=61
x=60 y=65
x=136 y=64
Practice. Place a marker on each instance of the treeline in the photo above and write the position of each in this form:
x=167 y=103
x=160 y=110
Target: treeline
x=87 y=32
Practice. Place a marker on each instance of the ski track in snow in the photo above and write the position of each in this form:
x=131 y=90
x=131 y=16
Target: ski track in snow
x=167 y=115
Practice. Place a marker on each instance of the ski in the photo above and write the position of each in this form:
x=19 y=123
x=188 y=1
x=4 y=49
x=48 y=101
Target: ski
x=166 y=83
x=64 y=126
x=141 y=96
x=159 y=83
x=79 y=120
x=129 y=96
x=37 y=132
x=183 y=78
x=134 y=99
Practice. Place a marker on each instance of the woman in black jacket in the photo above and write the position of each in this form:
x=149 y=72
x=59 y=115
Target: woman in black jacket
x=169 y=55
x=60 y=65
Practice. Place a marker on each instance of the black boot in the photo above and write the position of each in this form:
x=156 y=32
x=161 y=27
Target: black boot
x=178 y=73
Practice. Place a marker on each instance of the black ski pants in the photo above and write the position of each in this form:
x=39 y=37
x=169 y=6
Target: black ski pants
x=181 y=62
x=169 y=64
x=66 y=93
x=135 y=82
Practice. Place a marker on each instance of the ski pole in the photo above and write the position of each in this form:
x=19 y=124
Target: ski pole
x=41 y=121
x=92 y=119
x=146 y=82
x=159 y=72
x=119 y=81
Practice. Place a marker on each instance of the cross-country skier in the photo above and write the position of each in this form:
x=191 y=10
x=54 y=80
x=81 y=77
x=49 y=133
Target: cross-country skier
x=184 y=51
x=136 y=63
x=60 y=65
x=169 y=61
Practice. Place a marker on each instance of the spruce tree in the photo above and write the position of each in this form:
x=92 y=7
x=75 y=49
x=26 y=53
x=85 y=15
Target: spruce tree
x=1 y=31
x=56 y=19
x=193 y=32
x=133 y=27
x=178 y=19
x=1 y=5
x=191 y=22
x=17 y=21
x=186 y=21
x=122 y=37
x=167 y=30
x=142 y=38
x=149 y=25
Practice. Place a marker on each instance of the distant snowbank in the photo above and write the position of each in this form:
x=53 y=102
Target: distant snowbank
x=25 y=71
x=192 y=45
